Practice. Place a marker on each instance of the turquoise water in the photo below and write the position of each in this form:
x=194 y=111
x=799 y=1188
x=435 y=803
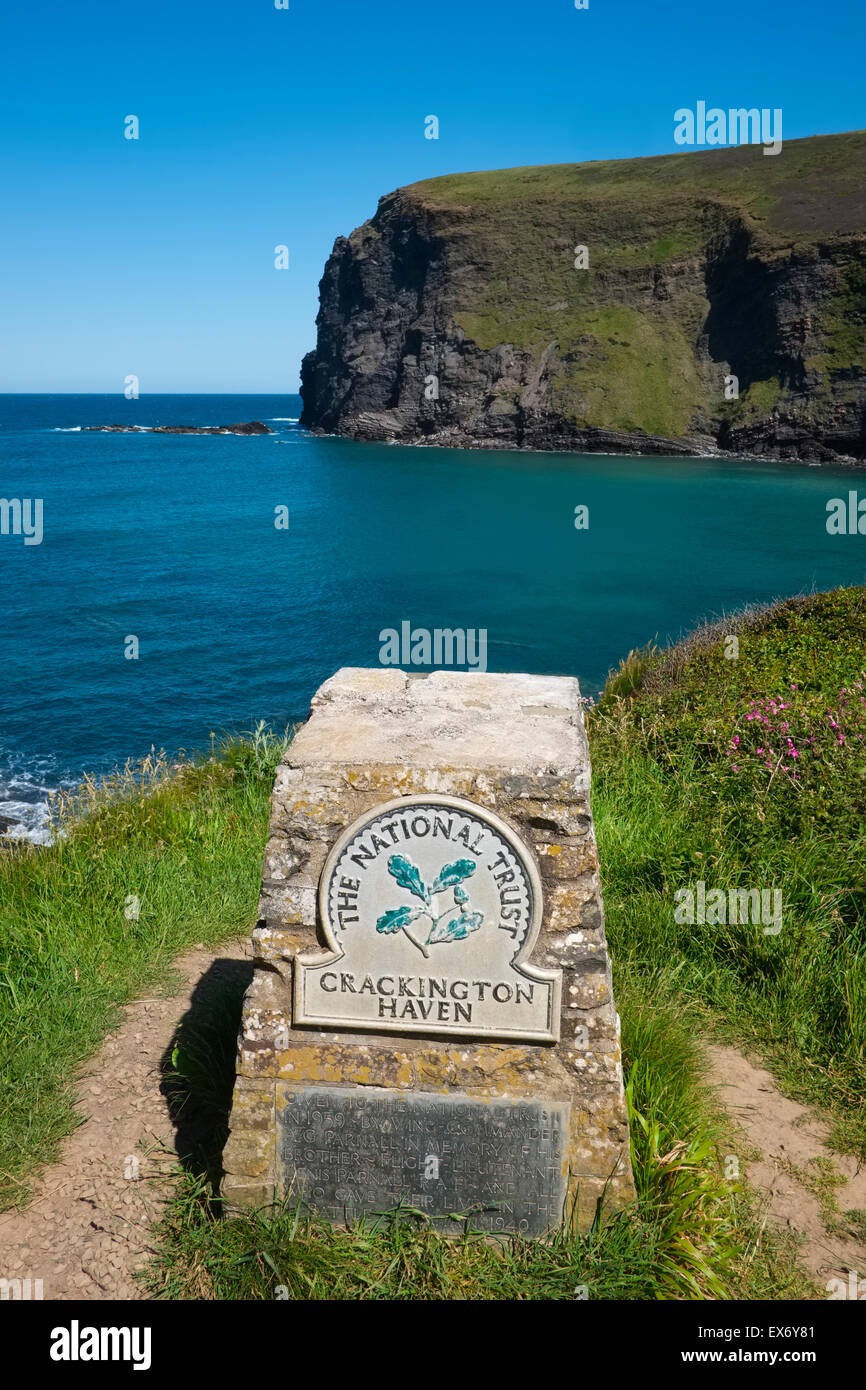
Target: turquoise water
x=171 y=539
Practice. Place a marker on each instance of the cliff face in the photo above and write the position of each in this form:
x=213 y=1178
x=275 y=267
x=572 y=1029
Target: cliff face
x=457 y=314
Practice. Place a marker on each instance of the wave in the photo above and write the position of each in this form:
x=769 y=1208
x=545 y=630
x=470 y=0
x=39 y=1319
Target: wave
x=24 y=797
x=284 y=419
x=26 y=821
x=69 y=429
x=25 y=813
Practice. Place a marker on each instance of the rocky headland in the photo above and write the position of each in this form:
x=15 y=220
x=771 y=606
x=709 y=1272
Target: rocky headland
x=608 y=307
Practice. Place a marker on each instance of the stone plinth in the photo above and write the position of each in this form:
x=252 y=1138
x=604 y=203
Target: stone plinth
x=431 y=1018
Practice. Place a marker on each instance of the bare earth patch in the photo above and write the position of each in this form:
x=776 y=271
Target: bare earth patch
x=88 y=1227
x=795 y=1167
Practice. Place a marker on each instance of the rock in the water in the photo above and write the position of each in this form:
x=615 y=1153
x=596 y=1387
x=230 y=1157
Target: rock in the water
x=251 y=427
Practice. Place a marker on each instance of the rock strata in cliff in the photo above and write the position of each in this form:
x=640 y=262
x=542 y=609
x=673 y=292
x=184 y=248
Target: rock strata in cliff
x=459 y=315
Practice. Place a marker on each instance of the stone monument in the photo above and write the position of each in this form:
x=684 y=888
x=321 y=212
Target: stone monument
x=430 y=1021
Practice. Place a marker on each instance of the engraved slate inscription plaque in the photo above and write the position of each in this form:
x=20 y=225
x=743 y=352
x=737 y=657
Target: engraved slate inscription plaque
x=346 y=1152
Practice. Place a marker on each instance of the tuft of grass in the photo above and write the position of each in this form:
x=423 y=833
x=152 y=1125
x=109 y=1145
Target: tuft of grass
x=822 y=1178
x=145 y=864
x=758 y=402
x=631 y=671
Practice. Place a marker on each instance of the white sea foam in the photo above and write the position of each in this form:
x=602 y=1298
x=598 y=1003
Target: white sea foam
x=29 y=821
x=24 y=795
x=285 y=419
x=70 y=429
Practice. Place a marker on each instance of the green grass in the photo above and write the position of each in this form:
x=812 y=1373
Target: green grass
x=760 y=400
x=636 y=374
x=811 y=177
x=676 y=801
x=188 y=844
x=844 y=321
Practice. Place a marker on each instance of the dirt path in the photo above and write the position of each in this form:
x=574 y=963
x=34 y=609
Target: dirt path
x=794 y=1165
x=88 y=1227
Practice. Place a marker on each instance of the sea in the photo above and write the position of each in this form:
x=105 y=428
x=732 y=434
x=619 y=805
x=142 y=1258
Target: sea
x=187 y=587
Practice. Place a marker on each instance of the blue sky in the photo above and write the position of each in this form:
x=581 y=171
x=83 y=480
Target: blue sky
x=262 y=126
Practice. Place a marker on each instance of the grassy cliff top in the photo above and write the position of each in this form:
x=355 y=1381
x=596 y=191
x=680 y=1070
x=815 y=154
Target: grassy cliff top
x=813 y=187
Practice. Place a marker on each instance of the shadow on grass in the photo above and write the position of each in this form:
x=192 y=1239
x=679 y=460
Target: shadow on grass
x=198 y=1069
